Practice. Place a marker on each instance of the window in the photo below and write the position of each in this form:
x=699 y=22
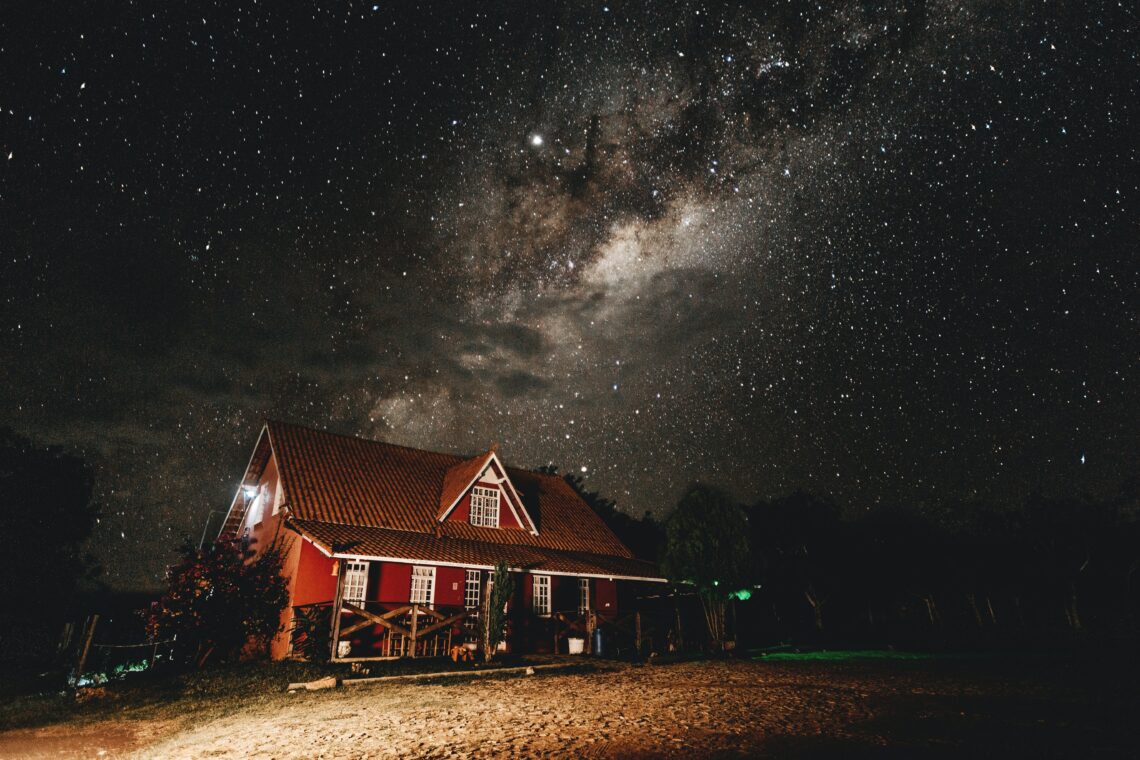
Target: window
x=485 y=506
x=541 y=600
x=423 y=585
x=471 y=590
x=583 y=596
x=355 y=582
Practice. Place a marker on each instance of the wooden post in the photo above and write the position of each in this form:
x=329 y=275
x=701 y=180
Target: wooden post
x=485 y=618
x=336 y=609
x=86 y=646
x=415 y=626
x=637 y=631
x=591 y=624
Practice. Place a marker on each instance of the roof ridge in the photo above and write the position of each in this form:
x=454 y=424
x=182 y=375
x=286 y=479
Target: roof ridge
x=362 y=439
x=461 y=457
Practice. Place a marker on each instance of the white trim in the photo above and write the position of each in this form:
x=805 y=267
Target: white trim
x=439 y=563
x=245 y=474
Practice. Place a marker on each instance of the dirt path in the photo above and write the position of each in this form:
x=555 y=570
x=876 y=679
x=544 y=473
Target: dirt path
x=688 y=710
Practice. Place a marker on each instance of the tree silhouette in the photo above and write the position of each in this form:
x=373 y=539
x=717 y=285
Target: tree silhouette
x=46 y=502
x=706 y=546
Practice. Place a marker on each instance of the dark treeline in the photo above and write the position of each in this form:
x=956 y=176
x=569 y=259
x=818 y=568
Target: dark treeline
x=966 y=574
x=48 y=508
x=962 y=575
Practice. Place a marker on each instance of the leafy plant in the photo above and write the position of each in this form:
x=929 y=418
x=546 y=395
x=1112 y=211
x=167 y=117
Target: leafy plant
x=494 y=613
x=221 y=600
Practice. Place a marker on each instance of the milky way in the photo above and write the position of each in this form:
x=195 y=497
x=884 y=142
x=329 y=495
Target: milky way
x=886 y=255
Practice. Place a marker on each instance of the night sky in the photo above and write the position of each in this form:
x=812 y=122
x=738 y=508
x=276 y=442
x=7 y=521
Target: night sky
x=885 y=255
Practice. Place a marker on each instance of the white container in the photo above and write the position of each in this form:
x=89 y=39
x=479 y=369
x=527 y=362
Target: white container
x=575 y=646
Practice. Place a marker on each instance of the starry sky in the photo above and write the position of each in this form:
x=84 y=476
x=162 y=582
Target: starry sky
x=885 y=253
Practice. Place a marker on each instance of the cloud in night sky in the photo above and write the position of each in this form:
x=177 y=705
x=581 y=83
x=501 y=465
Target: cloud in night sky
x=885 y=255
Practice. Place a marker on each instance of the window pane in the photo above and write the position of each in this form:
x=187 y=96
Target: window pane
x=355 y=582
x=485 y=506
x=541 y=601
x=423 y=582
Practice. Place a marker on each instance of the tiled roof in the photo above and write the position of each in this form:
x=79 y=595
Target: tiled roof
x=380 y=542
x=348 y=481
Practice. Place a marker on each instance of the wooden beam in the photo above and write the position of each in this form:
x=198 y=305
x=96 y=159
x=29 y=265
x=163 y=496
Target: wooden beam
x=336 y=608
x=86 y=646
x=442 y=624
x=415 y=617
x=371 y=618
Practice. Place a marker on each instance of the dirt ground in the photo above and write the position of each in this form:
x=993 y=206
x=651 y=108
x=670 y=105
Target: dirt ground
x=696 y=709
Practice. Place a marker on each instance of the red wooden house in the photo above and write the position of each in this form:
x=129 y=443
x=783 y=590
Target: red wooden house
x=383 y=527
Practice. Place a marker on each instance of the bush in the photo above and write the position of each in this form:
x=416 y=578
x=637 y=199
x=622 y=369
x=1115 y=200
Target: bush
x=222 y=600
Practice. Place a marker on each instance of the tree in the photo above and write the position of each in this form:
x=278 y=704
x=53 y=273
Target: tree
x=221 y=599
x=706 y=546
x=502 y=588
x=46 y=498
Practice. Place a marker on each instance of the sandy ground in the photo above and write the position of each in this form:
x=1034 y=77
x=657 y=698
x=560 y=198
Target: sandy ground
x=718 y=709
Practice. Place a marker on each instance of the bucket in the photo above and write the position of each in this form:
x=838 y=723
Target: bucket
x=575 y=646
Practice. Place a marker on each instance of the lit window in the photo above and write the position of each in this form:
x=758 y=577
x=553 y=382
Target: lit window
x=485 y=506
x=471 y=590
x=583 y=596
x=355 y=582
x=423 y=585
x=541 y=601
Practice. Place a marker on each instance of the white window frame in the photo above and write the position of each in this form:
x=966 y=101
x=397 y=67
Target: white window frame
x=472 y=589
x=583 y=596
x=426 y=575
x=540 y=596
x=485 y=506
x=355 y=581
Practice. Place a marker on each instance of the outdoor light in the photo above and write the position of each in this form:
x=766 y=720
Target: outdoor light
x=250 y=491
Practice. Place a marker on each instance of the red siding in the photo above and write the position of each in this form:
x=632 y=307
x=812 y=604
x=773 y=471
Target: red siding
x=395 y=582
x=449 y=586
x=605 y=595
x=315 y=581
x=462 y=511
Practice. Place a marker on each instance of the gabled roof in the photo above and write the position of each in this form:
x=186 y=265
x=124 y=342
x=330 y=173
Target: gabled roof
x=341 y=480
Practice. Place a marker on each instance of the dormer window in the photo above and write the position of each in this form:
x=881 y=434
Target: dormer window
x=485 y=506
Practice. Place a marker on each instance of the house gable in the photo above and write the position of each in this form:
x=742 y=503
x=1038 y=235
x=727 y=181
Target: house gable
x=487 y=473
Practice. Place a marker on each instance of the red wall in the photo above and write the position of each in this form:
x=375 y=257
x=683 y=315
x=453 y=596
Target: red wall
x=395 y=582
x=315 y=581
x=605 y=595
x=462 y=511
x=449 y=586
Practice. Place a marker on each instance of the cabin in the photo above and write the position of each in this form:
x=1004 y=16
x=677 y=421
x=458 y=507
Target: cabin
x=396 y=547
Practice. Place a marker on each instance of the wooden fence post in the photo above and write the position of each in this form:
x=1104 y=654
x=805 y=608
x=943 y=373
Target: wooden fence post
x=415 y=626
x=336 y=611
x=637 y=630
x=94 y=621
